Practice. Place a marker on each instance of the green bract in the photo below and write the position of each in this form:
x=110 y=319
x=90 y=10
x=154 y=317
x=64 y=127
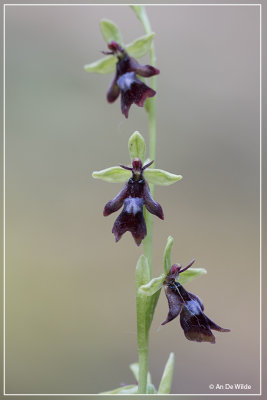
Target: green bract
x=137 y=146
x=167 y=263
x=112 y=174
x=166 y=380
x=110 y=31
x=139 y=11
x=141 y=14
x=138 y=48
x=160 y=177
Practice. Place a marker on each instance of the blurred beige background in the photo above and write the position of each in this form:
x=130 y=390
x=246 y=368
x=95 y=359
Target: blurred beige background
x=70 y=290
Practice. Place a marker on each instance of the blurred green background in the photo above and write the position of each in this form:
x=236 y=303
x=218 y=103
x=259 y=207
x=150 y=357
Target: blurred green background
x=70 y=290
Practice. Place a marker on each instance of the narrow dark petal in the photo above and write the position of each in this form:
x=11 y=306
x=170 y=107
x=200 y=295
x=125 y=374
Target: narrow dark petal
x=175 y=304
x=151 y=205
x=113 y=90
x=125 y=167
x=188 y=266
x=147 y=165
x=143 y=70
x=131 y=219
x=116 y=203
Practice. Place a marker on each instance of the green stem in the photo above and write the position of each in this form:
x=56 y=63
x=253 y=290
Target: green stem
x=143 y=368
x=151 y=111
x=143 y=334
x=142 y=277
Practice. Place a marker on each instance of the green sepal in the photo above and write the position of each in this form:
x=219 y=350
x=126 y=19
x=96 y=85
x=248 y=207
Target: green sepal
x=141 y=46
x=166 y=380
x=135 y=370
x=113 y=175
x=123 y=389
x=110 y=31
x=167 y=263
x=191 y=274
x=161 y=177
x=152 y=286
x=102 y=66
x=136 y=49
x=156 y=284
x=137 y=146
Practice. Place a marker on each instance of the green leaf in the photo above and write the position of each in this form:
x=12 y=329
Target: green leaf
x=166 y=380
x=141 y=46
x=150 y=389
x=191 y=274
x=135 y=370
x=134 y=367
x=123 y=389
x=112 y=174
x=137 y=146
x=126 y=390
x=160 y=177
x=110 y=31
x=153 y=286
x=167 y=263
x=102 y=66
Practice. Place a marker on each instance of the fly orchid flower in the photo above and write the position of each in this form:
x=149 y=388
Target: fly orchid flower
x=196 y=325
x=134 y=195
x=125 y=81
